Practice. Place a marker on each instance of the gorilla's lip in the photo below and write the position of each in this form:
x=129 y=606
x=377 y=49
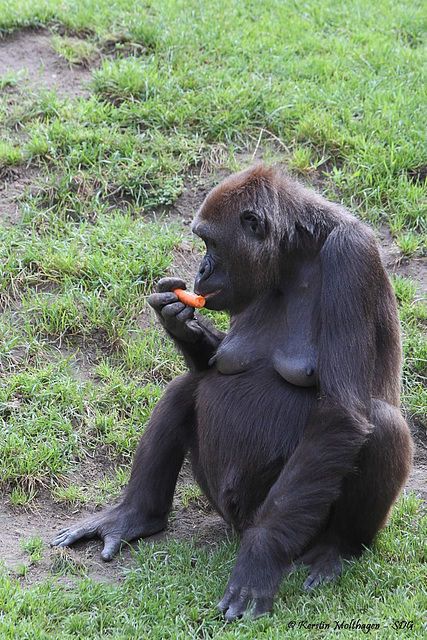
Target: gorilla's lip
x=209 y=295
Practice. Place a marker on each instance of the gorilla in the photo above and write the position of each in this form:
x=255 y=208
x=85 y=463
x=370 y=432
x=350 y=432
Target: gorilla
x=291 y=419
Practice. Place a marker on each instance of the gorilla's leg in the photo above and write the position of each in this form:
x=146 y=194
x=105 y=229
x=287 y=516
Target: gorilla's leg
x=147 y=500
x=367 y=496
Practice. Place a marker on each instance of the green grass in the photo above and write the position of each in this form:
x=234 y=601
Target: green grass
x=172 y=590
x=413 y=312
x=337 y=90
x=331 y=79
x=75 y=51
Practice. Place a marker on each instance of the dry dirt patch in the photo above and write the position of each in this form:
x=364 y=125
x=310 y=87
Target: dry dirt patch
x=13 y=184
x=45 y=518
x=395 y=262
x=30 y=53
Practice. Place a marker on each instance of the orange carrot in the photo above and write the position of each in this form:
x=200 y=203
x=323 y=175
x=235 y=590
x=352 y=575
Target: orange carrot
x=192 y=299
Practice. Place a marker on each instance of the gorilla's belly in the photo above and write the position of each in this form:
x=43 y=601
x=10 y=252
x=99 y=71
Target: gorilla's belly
x=248 y=426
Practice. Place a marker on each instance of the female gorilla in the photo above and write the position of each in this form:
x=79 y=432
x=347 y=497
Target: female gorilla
x=292 y=418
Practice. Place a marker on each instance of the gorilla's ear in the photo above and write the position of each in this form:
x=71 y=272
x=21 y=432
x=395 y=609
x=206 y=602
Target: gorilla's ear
x=252 y=223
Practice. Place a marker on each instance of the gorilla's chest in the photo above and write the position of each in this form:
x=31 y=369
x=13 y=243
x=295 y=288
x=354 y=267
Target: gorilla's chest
x=281 y=331
x=253 y=403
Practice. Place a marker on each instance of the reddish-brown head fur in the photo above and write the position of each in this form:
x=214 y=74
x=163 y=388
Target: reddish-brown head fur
x=221 y=202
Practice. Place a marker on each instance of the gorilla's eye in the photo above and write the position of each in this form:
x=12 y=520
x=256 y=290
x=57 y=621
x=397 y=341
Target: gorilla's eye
x=252 y=222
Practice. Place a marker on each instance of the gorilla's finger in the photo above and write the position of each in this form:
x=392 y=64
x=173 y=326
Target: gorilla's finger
x=225 y=602
x=160 y=300
x=186 y=314
x=237 y=606
x=169 y=284
x=172 y=310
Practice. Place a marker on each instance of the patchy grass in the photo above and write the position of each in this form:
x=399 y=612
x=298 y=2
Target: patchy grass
x=413 y=313
x=171 y=593
x=330 y=82
x=335 y=90
x=75 y=50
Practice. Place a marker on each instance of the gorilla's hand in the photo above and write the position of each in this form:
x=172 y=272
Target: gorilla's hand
x=241 y=597
x=254 y=579
x=176 y=317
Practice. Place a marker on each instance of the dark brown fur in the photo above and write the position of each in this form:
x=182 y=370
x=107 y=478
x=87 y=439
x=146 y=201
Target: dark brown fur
x=292 y=419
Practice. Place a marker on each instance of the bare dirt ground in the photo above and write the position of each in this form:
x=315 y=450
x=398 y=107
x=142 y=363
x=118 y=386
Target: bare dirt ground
x=30 y=53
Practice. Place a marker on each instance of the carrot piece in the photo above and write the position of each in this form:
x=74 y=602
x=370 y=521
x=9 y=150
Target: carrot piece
x=192 y=299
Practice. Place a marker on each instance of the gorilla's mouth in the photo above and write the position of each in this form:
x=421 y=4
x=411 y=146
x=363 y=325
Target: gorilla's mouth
x=209 y=295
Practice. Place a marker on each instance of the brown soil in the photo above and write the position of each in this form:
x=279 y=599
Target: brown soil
x=30 y=53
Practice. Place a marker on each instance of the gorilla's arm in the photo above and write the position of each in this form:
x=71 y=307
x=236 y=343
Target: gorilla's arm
x=193 y=335
x=295 y=509
x=299 y=502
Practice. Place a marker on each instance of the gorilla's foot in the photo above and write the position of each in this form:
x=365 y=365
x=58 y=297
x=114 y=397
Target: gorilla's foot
x=326 y=564
x=115 y=525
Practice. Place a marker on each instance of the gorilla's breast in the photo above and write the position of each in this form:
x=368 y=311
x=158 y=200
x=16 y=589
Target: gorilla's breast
x=280 y=330
x=292 y=352
x=236 y=354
